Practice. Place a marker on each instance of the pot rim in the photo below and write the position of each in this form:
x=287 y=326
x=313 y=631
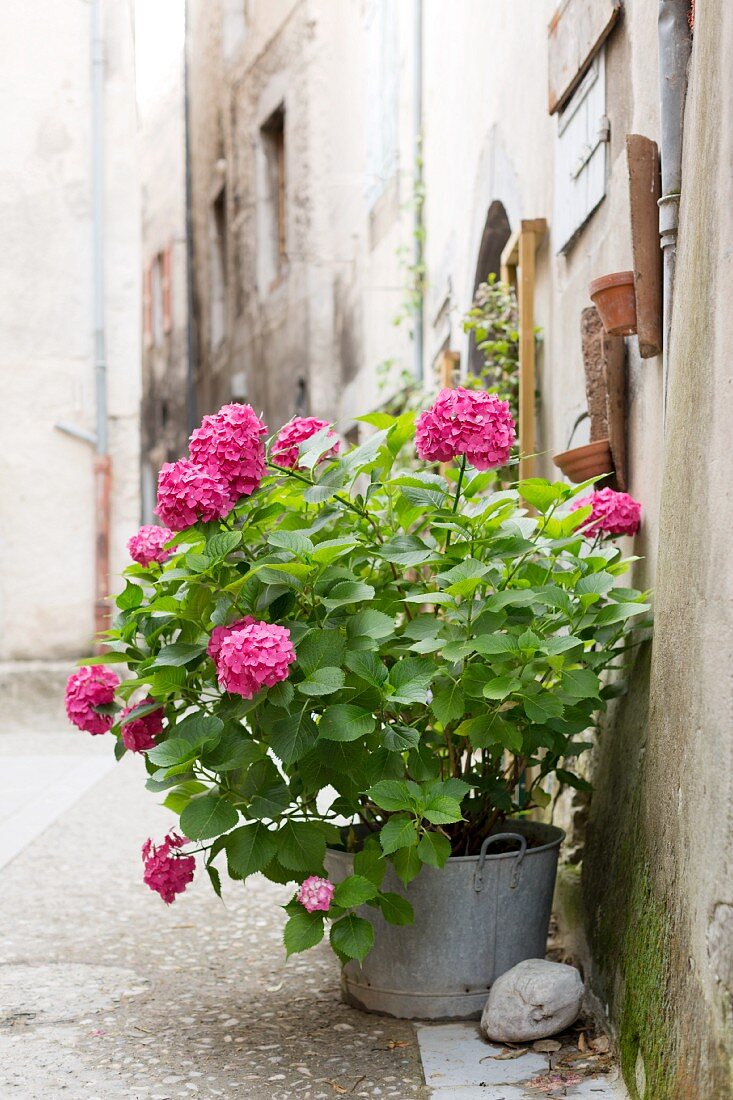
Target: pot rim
x=597 y=447
x=608 y=282
x=506 y=827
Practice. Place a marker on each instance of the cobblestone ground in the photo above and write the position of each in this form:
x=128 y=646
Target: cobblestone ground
x=105 y=992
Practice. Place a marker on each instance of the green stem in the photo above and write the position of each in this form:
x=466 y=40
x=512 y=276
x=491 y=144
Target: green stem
x=457 y=497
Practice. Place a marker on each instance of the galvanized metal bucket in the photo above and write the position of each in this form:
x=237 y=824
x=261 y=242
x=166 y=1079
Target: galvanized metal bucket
x=474 y=920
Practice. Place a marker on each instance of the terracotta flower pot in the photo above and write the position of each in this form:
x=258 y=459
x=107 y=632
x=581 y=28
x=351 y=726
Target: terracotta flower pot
x=583 y=462
x=615 y=299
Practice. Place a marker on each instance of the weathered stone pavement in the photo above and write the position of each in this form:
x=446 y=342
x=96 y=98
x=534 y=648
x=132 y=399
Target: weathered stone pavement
x=106 y=992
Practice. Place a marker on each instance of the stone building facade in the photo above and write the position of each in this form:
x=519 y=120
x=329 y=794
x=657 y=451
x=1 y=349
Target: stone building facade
x=168 y=404
x=47 y=356
x=361 y=162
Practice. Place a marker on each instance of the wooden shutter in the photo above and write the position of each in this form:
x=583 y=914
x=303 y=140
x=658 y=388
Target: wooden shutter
x=165 y=263
x=148 y=306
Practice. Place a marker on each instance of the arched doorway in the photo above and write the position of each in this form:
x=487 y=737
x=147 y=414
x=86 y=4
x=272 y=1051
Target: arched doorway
x=497 y=231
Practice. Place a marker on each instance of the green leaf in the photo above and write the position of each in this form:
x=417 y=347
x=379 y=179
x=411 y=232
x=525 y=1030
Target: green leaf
x=395 y=794
x=434 y=849
x=430 y=598
x=442 y=810
x=249 y=849
x=112 y=657
x=399 y=738
x=221 y=544
x=344 y=722
x=564 y=644
x=352 y=937
x=542 y=494
x=199 y=728
x=410 y=679
x=353 y=891
x=399 y=832
x=581 y=683
x=167 y=681
x=129 y=598
x=405 y=550
x=207 y=816
x=323 y=681
x=320 y=648
x=215 y=879
x=488 y=729
x=494 y=645
x=539 y=708
x=367 y=666
x=171 y=752
x=369 y=625
x=179 y=653
x=282 y=694
x=448 y=703
x=293 y=736
x=407 y=864
x=301 y=846
x=294 y=541
x=302 y=931
x=395 y=909
x=502 y=686
x=595 y=583
x=362 y=456
x=232 y=751
x=370 y=862
x=346 y=592
x=616 y=613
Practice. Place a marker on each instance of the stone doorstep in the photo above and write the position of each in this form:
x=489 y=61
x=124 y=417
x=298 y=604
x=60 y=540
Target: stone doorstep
x=32 y=695
x=459 y=1065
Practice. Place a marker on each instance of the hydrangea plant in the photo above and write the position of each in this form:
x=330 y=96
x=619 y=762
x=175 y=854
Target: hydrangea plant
x=337 y=648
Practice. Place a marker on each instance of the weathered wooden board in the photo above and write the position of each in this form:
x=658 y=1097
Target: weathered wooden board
x=644 y=190
x=518 y=269
x=577 y=31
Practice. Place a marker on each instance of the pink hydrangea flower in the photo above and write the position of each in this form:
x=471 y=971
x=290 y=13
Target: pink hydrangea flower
x=167 y=871
x=141 y=733
x=147 y=545
x=295 y=432
x=230 y=443
x=93 y=686
x=259 y=655
x=219 y=633
x=316 y=893
x=187 y=493
x=473 y=423
x=613 y=513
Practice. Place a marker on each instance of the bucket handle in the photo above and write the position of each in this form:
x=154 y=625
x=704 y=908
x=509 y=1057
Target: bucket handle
x=478 y=878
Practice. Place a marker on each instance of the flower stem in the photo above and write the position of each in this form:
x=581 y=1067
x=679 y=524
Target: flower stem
x=457 y=497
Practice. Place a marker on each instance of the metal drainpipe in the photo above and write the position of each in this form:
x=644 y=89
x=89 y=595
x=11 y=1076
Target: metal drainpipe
x=675 y=44
x=191 y=366
x=102 y=461
x=418 y=222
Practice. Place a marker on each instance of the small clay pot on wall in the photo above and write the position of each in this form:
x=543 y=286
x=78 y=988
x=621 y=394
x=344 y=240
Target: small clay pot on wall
x=614 y=297
x=592 y=460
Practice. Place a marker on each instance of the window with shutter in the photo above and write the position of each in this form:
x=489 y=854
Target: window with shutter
x=580 y=155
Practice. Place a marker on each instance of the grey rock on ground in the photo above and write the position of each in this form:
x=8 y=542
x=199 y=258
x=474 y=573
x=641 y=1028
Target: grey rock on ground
x=533 y=1000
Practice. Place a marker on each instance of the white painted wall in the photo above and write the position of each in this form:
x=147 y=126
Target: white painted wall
x=46 y=503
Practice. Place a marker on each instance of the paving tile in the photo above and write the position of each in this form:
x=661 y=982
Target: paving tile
x=460 y=1065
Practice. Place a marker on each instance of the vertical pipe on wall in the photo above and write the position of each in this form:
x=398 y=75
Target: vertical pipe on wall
x=674 y=53
x=418 y=196
x=190 y=303
x=102 y=462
